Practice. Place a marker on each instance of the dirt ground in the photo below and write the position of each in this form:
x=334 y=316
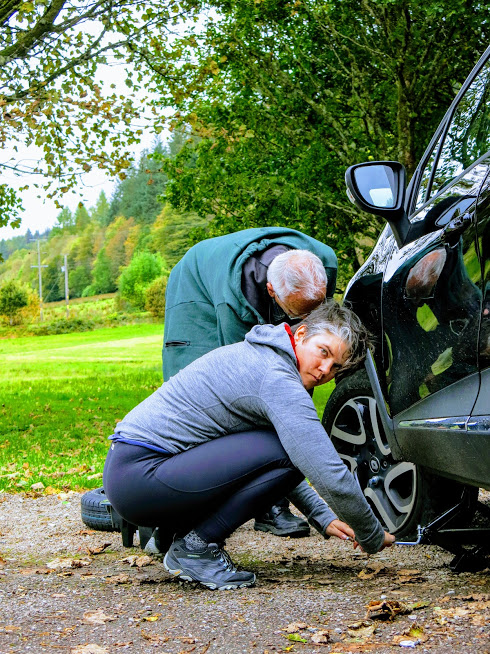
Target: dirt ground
x=65 y=588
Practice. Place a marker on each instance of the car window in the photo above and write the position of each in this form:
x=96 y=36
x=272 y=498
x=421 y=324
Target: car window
x=468 y=136
x=424 y=182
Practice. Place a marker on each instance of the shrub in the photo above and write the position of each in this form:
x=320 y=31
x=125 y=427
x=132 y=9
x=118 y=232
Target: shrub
x=135 y=279
x=64 y=326
x=88 y=291
x=13 y=298
x=155 y=297
x=31 y=311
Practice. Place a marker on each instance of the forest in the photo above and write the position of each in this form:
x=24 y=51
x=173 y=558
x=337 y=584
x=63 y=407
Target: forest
x=267 y=103
x=135 y=226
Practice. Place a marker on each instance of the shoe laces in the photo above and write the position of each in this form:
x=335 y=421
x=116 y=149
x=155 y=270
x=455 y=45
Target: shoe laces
x=225 y=559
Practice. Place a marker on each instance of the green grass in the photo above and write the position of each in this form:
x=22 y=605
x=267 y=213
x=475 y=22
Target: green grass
x=62 y=395
x=61 y=398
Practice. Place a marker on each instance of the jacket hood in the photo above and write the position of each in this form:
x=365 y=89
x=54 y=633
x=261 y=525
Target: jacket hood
x=275 y=336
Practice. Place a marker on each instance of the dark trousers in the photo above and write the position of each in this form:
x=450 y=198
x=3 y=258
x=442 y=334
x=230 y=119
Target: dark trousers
x=212 y=488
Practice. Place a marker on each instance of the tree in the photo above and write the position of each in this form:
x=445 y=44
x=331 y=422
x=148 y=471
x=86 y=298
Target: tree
x=155 y=297
x=279 y=98
x=13 y=298
x=100 y=213
x=174 y=232
x=81 y=218
x=66 y=220
x=78 y=279
x=53 y=281
x=137 y=196
x=104 y=281
x=135 y=279
x=51 y=94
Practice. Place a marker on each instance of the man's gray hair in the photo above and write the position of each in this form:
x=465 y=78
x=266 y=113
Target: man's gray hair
x=298 y=271
x=342 y=322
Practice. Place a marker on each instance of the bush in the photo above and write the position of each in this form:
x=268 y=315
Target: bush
x=89 y=291
x=135 y=279
x=31 y=311
x=155 y=297
x=13 y=298
x=64 y=326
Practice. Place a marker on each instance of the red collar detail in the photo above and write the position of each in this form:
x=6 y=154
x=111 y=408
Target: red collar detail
x=291 y=338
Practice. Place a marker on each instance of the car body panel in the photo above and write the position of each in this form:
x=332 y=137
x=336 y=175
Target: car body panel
x=428 y=301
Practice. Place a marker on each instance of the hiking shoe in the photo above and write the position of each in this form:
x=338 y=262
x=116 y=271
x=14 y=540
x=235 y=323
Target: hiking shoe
x=281 y=522
x=211 y=567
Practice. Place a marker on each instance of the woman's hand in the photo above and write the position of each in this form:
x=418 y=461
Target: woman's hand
x=344 y=532
x=341 y=530
x=388 y=541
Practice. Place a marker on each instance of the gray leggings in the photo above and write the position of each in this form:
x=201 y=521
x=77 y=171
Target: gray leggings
x=212 y=488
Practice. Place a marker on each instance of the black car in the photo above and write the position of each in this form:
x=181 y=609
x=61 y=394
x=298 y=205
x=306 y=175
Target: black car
x=414 y=427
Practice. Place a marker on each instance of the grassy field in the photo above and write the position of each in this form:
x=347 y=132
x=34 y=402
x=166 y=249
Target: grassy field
x=61 y=397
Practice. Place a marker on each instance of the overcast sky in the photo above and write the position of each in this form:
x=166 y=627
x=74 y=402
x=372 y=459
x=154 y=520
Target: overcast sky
x=40 y=213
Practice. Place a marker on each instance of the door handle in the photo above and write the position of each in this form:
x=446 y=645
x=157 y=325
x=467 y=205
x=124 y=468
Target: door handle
x=459 y=223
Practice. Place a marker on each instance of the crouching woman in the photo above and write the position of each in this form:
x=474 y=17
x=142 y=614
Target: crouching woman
x=232 y=433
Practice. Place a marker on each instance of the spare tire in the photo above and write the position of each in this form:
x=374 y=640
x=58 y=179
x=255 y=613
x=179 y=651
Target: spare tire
x=96 y=511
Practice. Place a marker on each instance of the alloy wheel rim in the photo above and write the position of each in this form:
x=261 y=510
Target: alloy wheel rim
x=389 y=486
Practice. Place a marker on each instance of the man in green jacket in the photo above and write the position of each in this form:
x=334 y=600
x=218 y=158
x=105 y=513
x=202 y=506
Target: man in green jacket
x=224 y=286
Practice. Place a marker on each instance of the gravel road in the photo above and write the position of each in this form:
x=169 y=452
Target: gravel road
x=65 y=588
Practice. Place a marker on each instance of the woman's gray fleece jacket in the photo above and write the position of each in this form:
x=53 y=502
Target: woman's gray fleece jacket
x=253 y=384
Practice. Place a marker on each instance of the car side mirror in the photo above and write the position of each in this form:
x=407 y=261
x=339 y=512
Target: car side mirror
x=378 y=187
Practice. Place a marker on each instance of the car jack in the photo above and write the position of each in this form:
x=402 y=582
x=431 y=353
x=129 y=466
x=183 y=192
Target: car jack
x=438 y=532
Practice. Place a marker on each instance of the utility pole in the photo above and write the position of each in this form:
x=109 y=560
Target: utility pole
x=40 y=278
x=64 y=269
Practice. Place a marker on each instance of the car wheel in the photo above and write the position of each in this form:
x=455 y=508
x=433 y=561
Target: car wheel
x=95 y=508
x=402 y=495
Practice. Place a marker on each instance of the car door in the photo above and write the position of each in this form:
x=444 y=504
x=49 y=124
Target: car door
x=479 y=423
x=432 y=293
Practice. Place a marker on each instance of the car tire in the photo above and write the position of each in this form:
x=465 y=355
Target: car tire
x=95 y=508
x=402 y=495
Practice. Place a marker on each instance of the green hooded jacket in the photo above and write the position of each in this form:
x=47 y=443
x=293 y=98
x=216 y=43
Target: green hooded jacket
x=205 y=306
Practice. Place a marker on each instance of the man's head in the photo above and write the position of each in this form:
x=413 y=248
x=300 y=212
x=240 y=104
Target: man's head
x=329 y=340
x=297 y=281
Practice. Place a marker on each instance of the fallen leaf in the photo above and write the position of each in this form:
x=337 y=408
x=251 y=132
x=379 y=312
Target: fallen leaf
x=89 y=649
x=10 y=627
x=295 y=626
x=296 y=638
x=371 y=570
x=138 y=561
x=416 y=606
x=362 y=629
x=188 y=640
x=152 y=618
x=324 y=636
x=386 y=609
x=86 y=532
x=410 y=576
x=68 y=563
x=154 y=638
x=118 y=579
x=97 y=550
x=96 y=617
x=414 y=634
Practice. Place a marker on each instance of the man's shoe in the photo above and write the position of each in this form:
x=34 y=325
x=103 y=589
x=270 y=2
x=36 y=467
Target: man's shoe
x=281 y=522
x=156 y=542
x=211 y=567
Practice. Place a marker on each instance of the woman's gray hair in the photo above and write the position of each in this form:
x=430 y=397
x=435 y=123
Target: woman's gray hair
x=342 y=322
x=298 y=271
